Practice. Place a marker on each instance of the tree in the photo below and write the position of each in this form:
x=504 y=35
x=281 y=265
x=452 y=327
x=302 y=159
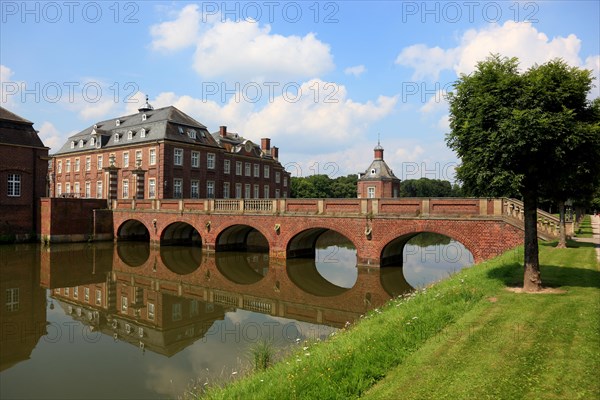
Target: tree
x=514 y=133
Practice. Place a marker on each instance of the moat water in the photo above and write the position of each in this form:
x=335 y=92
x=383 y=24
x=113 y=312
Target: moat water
x=126 y=321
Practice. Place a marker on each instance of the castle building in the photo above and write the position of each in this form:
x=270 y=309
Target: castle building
x=164 y=154
x=378 y=181
x=23 y=170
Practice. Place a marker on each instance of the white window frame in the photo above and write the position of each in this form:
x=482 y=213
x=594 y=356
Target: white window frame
x=178 y=156
x=238 y=168
x=88 y=163
x=266 y=191
x=238 y=190
x=210 y=189
x=370 y=192
x=77 y=164
x=226 y=188
x=195 y=159
x=152 y=156
x=248 y=169
x=247 y=191
x=257 y=170
x=210 y=161
x=88 y=189
x=152 y=188
x=125 y=159
x=151 y=311
x=99 y=189
x=226 y=166
x=277 y=177
x=266 y=171
x=14 y=185
x=125 y=188
x=77 y=189
x=12 y=299
x=177 y=184
x=86 y=294
x=139 y=156
x=99 y=163
x=59 y=167
x=124 y=304
x=195 y=189
x=98 y=297
x=68 y=165
x=58 y=189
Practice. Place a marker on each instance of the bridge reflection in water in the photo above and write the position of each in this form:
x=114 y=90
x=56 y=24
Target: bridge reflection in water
x=162 y=300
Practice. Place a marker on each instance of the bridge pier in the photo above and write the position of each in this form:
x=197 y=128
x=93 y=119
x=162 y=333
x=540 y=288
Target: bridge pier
x=367 y=261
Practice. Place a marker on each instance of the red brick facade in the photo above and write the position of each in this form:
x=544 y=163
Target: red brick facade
x=23 y=170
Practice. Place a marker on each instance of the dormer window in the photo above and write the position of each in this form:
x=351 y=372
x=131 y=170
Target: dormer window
x=373 y=171
x=116 y=139
x=80 y=142
x=192 y=134
x=73 y=144
x=143 y=133
x=92 y=141
x=143 y=117
x=95 y=126
x=129 y=135
x=181 y=130
x=118 y=122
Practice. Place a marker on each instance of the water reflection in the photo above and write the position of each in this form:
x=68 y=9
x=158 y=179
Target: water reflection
x=148 y=320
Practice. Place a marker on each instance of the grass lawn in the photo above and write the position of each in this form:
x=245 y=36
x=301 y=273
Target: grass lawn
x=585 y=228
x=464 y=338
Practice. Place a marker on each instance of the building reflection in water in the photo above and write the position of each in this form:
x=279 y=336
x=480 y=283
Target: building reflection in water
x=163 y=299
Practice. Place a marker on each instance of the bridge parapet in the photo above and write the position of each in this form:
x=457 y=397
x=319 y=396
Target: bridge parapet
x=548 y=225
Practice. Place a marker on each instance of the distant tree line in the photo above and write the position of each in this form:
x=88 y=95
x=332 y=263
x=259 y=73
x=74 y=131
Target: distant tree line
x=322 y=186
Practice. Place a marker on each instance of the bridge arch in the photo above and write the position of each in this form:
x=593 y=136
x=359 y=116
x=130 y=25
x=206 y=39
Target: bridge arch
x=240 y=237
x=181 y=260
x=304 y=274
x=133 y=229
x=133 y=254
x=180 y=233
x=241 y=268
x=303 y=244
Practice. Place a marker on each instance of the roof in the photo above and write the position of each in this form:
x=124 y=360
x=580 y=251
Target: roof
x=234 y=143
x=167 y=123
x=378 y=170
x=18 y=131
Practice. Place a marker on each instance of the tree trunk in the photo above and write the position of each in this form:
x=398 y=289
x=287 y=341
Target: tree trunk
x=532 y=281
x=562 y=241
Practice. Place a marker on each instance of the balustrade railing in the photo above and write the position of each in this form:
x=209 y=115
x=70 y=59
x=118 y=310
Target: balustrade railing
x=258 y=205
x=227 y=205
x=546 y=222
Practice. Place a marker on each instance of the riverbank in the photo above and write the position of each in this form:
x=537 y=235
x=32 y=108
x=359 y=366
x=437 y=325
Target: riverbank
x=465 y=337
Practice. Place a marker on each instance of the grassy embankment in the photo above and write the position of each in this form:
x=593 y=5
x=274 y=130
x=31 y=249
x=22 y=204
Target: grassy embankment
x=585 y=228
x=465 y=337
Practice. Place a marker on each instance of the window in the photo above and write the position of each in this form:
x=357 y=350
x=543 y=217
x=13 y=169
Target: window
x=195 y=190
x=98 y=296
x=238 y=168
x=285 y=181
x=92 y=141
x=75 y=292
x=176 y=312
x=277 y=177
x=210 y=189
x=266 y=171
x=98 y=189
x=151 y=188
x=210 y=161
x=125 y=159
x=68 y=166
x=68 y=188
x=81 y=142
x=77 y=165
x=14 y=185
x=59 y=167
x=266 y=192
x=256 y=170
x=143 y=133
x=125 y=188
x=247 y=191
x=238 y=190
x=225 y=190
x=177 y=188
x=276 y=193
x=194 y=308
x=12 y=299
x=77 y=189
x=138 y=156
x=88 y=163
x=86 y=294
x=88 y=189
x=116 y=139
x=256 y=191
x=195 y=159
x=178 y=157
x=152 y=156
x=248 y=171
x=226 y=166
x=151 y=311
x=180 y=129
x=99 y=163
x=73 y=145
x=129 y=135
x=144 y=117
x=58 y=189
x=371 y=192
x=117 y=122
x=124 y=304
x=192 y=134
x=67 y=291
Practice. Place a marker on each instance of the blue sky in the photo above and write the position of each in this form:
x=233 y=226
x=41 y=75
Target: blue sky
x=322 y=79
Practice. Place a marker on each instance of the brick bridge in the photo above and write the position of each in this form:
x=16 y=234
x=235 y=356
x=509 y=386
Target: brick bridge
x=289 y=228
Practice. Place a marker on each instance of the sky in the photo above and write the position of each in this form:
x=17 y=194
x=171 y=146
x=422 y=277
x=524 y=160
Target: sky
x=324 y=80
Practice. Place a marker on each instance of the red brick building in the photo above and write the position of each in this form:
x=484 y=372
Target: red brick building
x=164 y=153
x=23 y=170
x=378 y=181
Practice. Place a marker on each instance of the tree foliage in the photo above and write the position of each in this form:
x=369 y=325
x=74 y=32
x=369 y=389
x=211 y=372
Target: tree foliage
x=524 y=134
x=425 y=187
x=321 y=186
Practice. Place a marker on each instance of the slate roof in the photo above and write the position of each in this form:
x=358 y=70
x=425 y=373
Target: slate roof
x=378 y=170
x=167 y=123
x=16 y=130
x=234 y=143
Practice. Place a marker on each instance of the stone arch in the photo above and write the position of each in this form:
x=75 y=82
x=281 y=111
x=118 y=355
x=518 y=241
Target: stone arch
x=392 y=252
x=180 y=233
x=302 y=244
x=240 y=237
x=308 y=279
x=133 y=254
x=133 y=230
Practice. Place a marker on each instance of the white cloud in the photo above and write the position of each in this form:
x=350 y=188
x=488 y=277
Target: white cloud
x=242 y=50
x=593 y=63
x=51 y=136
x=436 y=103
x=179 y=33
x=512 y=39
x=8 y=88
x=356 y=70
x=5 y=73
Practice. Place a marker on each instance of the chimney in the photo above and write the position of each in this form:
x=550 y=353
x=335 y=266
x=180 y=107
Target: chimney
x=275 y=152
x=265 y=145
x=378 y=153
x=223 y=131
